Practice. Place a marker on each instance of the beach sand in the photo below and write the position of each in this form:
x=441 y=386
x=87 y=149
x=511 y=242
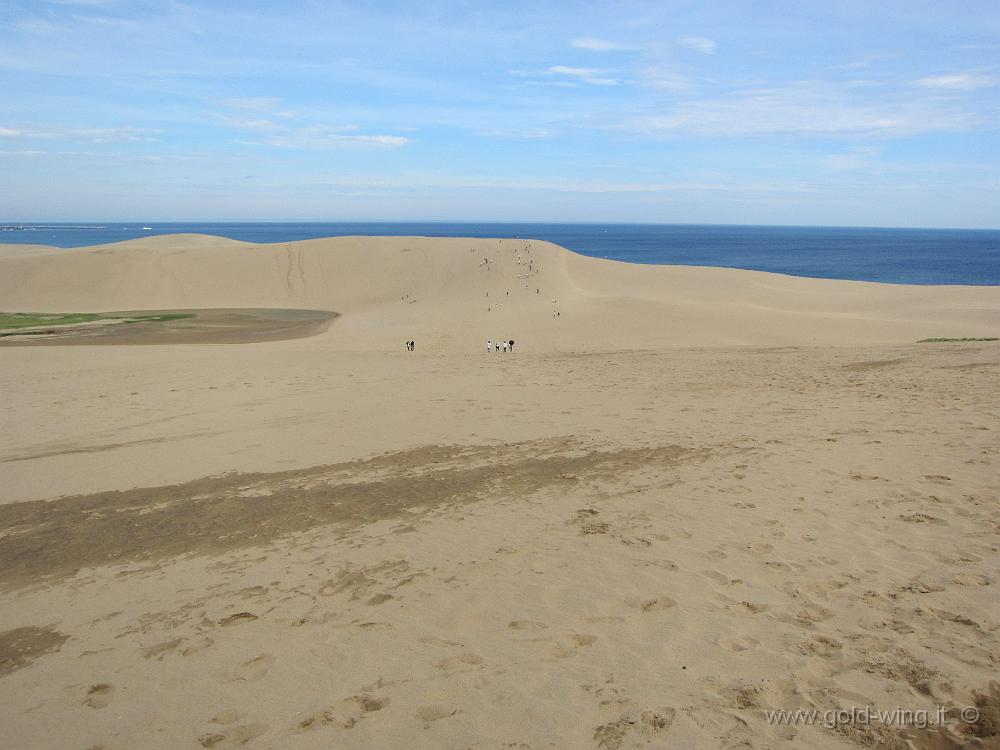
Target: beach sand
x=690 y=496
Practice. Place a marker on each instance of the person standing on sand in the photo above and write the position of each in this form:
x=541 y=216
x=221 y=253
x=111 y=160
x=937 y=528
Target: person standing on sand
x=504 y=347
x=511 y=342
x=489 y=346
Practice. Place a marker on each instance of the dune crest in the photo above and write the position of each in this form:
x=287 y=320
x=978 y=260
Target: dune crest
x=452 y=294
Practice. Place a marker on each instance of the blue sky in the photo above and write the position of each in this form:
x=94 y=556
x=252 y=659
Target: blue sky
x=840 y=113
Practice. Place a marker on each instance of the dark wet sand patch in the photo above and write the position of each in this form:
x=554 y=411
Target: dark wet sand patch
x=44 y=541
x=20 y=647
x=189 y=326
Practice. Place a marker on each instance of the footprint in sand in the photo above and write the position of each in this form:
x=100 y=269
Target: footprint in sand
x=462 y=660
x=232 y=736
x=648 y=724
x=99 y=696
x=197 y=646
x=738 y=644
x=652 y=604
x=344 y=714
x=937 y=478
x=254 y=669
x=160 y=649
x=226 y=716
x=756 y=608
x=569 y=644
x=526 y=625
x=821 y=645
x=429 y=714
x=237 y=619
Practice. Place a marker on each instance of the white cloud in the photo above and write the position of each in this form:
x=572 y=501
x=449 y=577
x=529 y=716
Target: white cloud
x=92 y=135
x=956 y=81
x=805 y=108
x=568 y=71
x=593 y=76
x=698 y=44
x=319 y=137
x=593 y=44
x=254 y=104
x=526 y=133
x=247 y=123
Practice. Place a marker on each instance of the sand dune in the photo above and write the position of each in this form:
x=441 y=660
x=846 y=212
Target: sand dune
x=444 y=293
x=694 y=497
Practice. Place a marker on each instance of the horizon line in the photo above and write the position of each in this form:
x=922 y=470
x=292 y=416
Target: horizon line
x=90 y=224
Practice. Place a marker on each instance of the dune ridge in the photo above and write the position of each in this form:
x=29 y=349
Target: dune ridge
x=452 y=294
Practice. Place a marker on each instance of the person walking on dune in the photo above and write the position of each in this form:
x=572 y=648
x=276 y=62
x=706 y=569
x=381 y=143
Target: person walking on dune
x=511 y=343
x=489 y=346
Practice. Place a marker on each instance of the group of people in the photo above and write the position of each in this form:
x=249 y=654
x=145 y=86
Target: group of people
x=409 y=346
x=505 y=346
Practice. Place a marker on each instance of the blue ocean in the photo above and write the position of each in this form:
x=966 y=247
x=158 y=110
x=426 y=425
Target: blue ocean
x=898 y=256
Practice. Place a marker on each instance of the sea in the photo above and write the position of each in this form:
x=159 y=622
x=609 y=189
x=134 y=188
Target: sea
x=895 y=256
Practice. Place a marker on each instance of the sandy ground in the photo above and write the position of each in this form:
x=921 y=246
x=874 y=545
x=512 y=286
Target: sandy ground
x=607 y=539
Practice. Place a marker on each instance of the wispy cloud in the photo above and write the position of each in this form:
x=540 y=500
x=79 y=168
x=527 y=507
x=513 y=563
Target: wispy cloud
x=807 y=108
x=86 y=3
x=593 y=76
x=264 y=105
x=320 y=137
x=956 y=81
x=246 y=123
x=864 y=61
x=594 y=44
x=664 y=78
x=578 y=72
x=88 y=134
x=526 y=133
x=701 y=44
x=853 y=159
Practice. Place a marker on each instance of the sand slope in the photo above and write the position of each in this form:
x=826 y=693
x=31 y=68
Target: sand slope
x=441 y=292
x=606 y=540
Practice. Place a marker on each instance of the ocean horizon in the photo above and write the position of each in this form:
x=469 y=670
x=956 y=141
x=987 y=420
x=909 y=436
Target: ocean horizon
x=886 y=255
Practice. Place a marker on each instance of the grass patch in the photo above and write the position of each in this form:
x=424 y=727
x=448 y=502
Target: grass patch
x=11 y=322
x=162 y=317
x=944 y=341
x=29 y=320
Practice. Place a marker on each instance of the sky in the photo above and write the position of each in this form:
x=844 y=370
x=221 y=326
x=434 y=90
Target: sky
x=849 y=113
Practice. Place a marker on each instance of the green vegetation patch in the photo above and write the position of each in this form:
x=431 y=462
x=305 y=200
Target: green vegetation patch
x=943 y=341
x=29 y=320
x=162 y=317
x=11 y=322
